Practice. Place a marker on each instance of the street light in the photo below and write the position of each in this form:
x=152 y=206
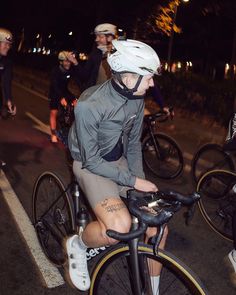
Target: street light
x=170 y=46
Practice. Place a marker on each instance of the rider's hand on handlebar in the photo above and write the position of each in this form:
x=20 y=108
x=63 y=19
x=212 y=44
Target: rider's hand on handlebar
x=169 y=111
x=145 y=185
x=74 y=102
x=63 y=102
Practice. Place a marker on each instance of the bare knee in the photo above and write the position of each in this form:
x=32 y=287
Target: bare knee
x=118 y=224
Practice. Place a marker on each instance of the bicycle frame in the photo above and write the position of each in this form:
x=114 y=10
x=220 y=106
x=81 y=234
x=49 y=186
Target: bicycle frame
x=149 y=130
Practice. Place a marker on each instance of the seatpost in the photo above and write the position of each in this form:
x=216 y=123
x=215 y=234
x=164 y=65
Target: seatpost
x=133 y=248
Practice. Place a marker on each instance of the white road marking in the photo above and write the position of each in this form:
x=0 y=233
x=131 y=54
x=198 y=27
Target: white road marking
x=31 y=90
x=50 y=273
x=39 y=124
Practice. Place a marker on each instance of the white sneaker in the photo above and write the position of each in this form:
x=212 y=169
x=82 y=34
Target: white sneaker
x=78 y=269
x=232 y=259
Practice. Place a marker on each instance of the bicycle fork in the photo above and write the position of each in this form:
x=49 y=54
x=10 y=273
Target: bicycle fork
x=133 y=247
x=140 y=286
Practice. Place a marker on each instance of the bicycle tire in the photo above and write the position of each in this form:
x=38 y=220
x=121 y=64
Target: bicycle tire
x=111 y=274
x=52 y=216
x=167 y=162
x=210 y=157
x=217 y=203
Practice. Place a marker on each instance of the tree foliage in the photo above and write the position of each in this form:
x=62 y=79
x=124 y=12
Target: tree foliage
x=165 y=19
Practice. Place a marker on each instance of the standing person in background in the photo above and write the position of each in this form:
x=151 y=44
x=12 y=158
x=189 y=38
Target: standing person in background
x=6 y=40
x=59 y=94
x=96 y=69
x=6 y=104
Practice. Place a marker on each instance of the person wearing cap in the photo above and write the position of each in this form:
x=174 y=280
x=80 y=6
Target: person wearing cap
x=104 y=142
x=6 y=40
x=96 y=69
x=59 y=94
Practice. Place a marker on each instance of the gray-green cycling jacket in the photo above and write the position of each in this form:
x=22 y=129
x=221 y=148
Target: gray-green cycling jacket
x=102 y=116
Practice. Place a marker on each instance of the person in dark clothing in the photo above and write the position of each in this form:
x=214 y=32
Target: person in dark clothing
x=6 y=71
x=59 y=94
x=6 y=106
x=96 y=69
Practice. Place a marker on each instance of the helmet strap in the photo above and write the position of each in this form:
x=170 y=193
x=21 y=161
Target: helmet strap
x=126 y=89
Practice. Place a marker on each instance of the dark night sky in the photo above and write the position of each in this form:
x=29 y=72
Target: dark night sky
x=62 y=16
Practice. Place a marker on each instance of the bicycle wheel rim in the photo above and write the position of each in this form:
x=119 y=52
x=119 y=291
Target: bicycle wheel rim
x=52 y=216
x=210 y=157
x=167 y=162
x=217 y=204
x=175 y=277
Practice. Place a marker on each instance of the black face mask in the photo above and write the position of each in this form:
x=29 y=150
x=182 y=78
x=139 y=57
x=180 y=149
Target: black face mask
x=124 y=92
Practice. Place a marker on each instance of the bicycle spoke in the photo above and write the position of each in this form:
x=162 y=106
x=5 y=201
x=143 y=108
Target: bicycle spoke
x=113 y=277
x=218 y=203
x=52 y=216
x=163 y=158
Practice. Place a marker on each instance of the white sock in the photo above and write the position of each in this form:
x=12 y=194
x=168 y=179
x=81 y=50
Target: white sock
x=155 y=284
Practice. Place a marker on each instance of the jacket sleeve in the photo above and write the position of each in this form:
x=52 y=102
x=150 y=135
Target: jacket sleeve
x=6 y=82
x=59 y=89
x=87 y=126
x=134 y=150
x=86 y=74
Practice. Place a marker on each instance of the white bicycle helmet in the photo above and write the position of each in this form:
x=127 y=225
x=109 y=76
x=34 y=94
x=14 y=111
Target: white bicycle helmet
x=135 y=57
x=106 y=29
x=5 y=36
x=63 y=55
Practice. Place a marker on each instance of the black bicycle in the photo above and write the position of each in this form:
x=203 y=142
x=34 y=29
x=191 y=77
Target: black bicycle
x=125 y=268
x=218 y=200
x=161 y=154
x=210 y=157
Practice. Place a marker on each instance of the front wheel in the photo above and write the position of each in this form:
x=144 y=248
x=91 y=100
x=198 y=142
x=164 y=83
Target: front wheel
x=210 y=157
x=218 y=200
x=162 y=156
x=112 y=274
x=52 y=216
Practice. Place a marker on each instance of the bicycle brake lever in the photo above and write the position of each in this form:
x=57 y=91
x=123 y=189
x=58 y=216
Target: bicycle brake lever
x=157 y=239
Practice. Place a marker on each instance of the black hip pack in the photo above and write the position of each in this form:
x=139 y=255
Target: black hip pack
x=115 y=153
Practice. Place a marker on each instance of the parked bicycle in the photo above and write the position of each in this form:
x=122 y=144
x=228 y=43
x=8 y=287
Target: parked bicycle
x=125 y=268
x=210 y=157
x=161 y=154
x=218 y=200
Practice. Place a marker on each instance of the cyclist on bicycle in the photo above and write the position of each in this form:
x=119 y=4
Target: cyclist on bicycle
x=59 y=94
x=6 y=105
x=104 y=141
